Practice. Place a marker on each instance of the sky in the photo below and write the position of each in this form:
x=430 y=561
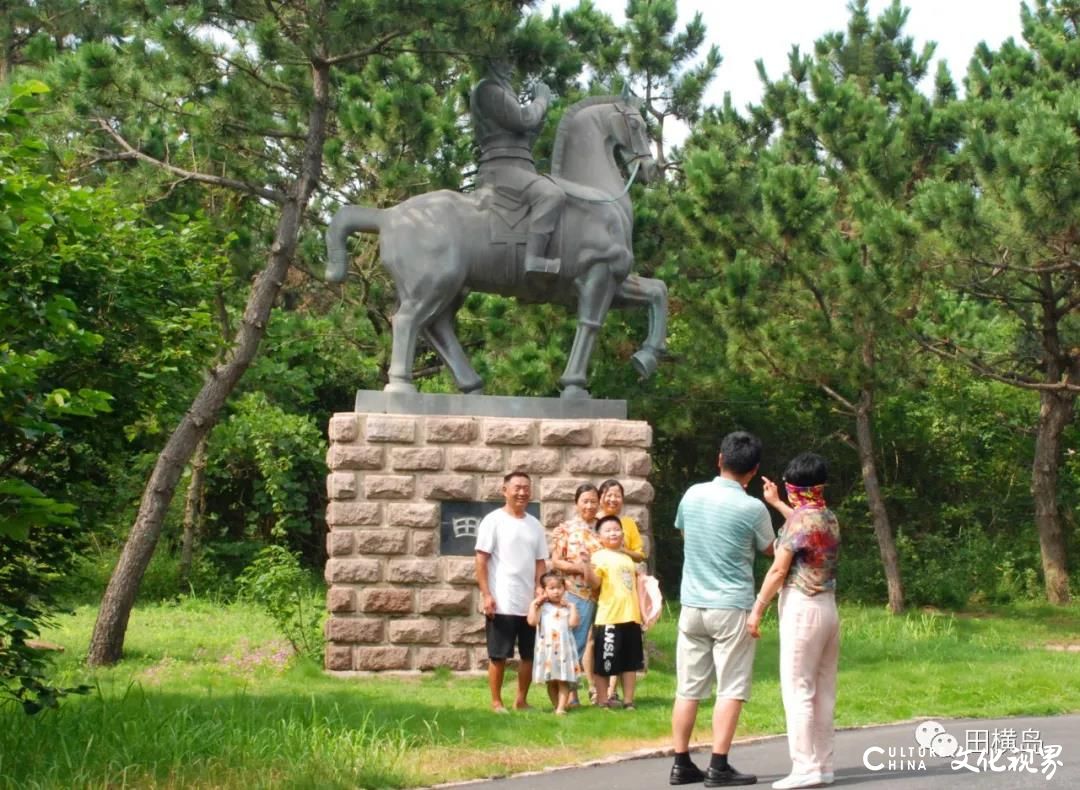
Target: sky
x=748 y=30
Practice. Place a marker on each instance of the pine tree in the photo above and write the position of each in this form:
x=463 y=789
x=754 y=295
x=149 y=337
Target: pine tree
x=1007 y=227
x=808 y=204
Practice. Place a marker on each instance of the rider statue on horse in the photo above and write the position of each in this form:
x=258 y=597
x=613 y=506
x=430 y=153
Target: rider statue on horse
x=505 y=132
x=576 y=227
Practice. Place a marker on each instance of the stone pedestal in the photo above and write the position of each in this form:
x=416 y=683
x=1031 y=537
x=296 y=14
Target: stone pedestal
x=396 y=603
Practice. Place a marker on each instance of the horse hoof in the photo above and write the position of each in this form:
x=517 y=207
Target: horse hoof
x=644 y=362
x=400 y=387
x=573 y=391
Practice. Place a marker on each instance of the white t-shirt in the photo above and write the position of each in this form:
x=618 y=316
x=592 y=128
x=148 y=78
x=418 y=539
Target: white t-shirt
x=515 y=544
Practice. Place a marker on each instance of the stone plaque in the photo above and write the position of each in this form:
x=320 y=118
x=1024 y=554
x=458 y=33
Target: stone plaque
x=459 y=521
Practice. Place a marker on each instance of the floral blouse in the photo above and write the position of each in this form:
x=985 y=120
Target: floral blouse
x=575 y=541
x=813 y=535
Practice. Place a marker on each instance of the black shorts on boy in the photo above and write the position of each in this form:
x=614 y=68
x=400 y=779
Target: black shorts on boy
x=617 y=649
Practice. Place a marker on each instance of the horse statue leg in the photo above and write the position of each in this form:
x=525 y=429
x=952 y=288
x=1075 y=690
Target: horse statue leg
x=595 y=292
x=636 y=291
x=445 y=341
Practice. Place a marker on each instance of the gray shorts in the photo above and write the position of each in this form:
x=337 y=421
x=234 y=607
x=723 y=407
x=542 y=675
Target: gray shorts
x=714 y=644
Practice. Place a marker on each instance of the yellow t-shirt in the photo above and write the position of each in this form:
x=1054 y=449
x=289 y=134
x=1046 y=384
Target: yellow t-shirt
x=631 y=535
x=618 y=601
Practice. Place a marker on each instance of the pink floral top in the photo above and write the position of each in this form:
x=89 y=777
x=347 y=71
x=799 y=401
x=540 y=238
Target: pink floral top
x=575 y=541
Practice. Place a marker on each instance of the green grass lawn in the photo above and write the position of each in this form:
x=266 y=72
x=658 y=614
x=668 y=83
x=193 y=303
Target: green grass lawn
x=207 y=696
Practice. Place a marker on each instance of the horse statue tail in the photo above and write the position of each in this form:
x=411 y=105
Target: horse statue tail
x=348 y=220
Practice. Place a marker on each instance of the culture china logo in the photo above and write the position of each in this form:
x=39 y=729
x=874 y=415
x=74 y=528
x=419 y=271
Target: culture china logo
x=976 y=750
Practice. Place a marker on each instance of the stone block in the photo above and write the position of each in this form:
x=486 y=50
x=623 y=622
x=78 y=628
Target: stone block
x=536 y=462
x=624 y=433
x=414 y=514
x=385 y=600
x=459 y=570
x=353 y=514
x=341 y=485
x=355 y=629
x=454 y=658
x=638 y=492
x=640 y=514
x=380 y=659
x=559 y=488
x=490 y=489
x=388 y=486
x=445 y=602
x=637 y=463
x=412 y=459
x=344 y=428
x=354 y=456
x=339 y=543
x=566 y=432
x=593 y=462
x=480 y=658
x=425 y=631
x=466 y=632
x=358 y=571
x=339 y=658
x=508 y=431
x=448 y=487
x=552 y=515
x=384 y=428
x=476 y=459
x=382 y=541
x=424 y=542
x=340 y=600
x=413 y=571
x=452 y=430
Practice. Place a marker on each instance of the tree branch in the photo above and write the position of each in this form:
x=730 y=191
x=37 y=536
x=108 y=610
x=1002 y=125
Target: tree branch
x=267 y=194
x=946 y=349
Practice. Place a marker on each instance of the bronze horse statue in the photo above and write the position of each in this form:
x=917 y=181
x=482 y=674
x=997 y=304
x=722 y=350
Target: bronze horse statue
x=440 y=245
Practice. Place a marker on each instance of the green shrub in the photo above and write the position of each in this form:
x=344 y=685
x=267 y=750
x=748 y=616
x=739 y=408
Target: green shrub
x=275 y=581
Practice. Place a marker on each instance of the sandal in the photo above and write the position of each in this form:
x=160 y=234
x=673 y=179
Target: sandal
x=613 y=704
x=629 y=706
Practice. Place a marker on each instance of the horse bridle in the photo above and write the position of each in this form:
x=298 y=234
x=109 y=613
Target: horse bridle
x=635 y=161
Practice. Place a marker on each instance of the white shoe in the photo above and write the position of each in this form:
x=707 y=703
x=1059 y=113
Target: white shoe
x=827 y=777
x=798 y=780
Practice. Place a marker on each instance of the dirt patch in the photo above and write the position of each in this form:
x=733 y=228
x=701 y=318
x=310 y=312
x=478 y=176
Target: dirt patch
x=272 y=655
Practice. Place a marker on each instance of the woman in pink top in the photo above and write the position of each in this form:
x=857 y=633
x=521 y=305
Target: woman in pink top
x=572 y=545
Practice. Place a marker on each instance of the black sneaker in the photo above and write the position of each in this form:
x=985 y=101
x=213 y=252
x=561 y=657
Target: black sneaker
x=727 y=777
x=685 y=775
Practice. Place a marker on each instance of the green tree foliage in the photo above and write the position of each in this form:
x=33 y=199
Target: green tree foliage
x=808 y=201
x=88 y=354
x=1006 y=231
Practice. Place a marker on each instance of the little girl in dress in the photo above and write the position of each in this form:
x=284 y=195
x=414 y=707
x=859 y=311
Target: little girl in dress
x=555 y=661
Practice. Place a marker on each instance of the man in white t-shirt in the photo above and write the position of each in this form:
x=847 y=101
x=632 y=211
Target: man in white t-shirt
x=511 y=554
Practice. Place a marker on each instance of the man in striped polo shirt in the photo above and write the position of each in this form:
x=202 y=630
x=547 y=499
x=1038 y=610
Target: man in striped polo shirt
x=722 y=526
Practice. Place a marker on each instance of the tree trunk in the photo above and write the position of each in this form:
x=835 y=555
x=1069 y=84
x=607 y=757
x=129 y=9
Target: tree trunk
x=1055 y=414
x=193 y=512
x=879 y=514
x=107 y=641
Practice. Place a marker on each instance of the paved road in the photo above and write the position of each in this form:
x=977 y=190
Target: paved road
x=855 y=765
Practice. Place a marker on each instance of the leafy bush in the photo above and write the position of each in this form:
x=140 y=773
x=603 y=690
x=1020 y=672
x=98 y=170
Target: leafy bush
x=275 y=581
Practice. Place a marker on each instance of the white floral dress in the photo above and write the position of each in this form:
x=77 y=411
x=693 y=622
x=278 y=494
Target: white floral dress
x=556 y=655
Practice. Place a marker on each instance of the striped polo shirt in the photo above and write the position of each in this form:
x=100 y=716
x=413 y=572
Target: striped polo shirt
x=721 y=526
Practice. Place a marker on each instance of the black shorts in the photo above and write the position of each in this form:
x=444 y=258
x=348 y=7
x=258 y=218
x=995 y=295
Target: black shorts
x=617 y=649
x=503 y=630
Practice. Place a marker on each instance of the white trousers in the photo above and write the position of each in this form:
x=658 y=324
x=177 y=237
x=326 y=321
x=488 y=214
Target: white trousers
x=809 y=654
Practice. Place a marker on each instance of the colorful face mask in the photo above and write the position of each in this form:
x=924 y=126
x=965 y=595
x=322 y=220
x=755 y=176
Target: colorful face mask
x=805 y=496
